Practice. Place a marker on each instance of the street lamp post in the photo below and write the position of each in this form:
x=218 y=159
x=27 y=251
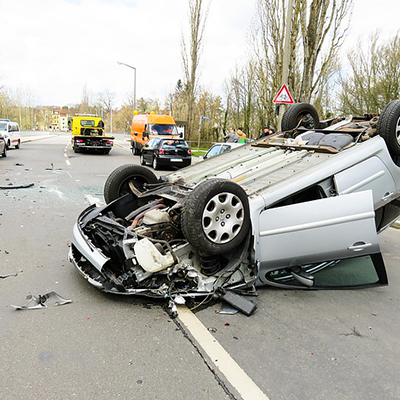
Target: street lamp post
x=134 y=83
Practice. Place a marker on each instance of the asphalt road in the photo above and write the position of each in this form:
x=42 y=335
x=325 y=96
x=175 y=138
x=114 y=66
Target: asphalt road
x=297 y=345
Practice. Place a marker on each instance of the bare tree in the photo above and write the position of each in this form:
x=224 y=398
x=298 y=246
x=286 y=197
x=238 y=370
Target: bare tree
x=191 y=56
x=374 y=77
x=318 y=30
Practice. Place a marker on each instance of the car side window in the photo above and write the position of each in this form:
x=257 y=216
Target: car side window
x=214 y=151
x=149 y=144
x=225 y=148
x=155 y=144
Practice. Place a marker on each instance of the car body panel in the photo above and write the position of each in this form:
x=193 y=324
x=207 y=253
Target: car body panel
x=332 y=228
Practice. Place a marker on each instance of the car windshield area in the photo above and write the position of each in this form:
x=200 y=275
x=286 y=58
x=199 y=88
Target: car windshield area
x=3 y=126
x=168 y=144
x=87 y=122
x=163 y=129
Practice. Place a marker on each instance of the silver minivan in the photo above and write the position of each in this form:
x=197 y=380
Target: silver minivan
x=10 y=132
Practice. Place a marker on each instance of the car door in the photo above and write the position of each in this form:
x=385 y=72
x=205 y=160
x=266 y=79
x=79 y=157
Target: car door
x=316 y=232
x=146 y=151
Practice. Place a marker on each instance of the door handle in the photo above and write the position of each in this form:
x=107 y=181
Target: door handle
x=386 y=196
x=359 y=246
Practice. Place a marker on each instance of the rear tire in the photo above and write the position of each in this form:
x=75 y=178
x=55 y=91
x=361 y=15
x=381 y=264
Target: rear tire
x=117 y=183
x=4 y=154
x=388 y=127
x=300 y=114
x=17 y=146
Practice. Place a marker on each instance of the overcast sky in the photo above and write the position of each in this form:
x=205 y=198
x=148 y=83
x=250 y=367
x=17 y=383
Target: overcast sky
x=53 y=48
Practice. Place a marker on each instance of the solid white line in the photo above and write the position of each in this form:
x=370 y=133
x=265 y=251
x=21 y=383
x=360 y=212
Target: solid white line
x=220 y=357
x=67 y=161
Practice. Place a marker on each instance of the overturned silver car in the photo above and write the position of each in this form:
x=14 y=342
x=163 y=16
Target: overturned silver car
x=298 y=209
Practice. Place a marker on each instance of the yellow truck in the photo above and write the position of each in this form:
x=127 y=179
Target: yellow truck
x=88 y=134
x=147 y=126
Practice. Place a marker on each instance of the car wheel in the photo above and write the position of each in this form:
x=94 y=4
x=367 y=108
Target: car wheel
x=17 y=146
x=122 y=178
x=156 y=165
x=135 y=150
x=300 y=114
x=107 y=151
x=4 y=154
x=142 y=162
x=388 y=127
x=216 y=216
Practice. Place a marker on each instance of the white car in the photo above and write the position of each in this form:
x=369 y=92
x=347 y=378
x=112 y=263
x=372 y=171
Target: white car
x=10 y=132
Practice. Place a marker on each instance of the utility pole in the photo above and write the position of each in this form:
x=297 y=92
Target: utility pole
x=286 y=57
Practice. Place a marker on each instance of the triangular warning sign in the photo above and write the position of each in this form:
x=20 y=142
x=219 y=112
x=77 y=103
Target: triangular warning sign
x=283 y=96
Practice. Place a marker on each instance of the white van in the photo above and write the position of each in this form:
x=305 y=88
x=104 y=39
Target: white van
x=11 y=133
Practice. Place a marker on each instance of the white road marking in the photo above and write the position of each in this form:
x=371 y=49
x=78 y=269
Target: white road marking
x=67 y=161
x=65 y=155
x=220 y=357
x=93 y=200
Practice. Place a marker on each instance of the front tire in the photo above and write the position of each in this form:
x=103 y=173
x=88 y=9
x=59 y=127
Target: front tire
x=119 y=181
x=156 y=164
x=388 y=127
x=216 y=216
x=300 y=114
x=142 y=162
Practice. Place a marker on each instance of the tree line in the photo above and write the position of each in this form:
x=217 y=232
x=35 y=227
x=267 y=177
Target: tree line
x=363 y=81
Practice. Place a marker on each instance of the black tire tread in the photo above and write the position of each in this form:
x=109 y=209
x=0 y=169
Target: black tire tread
x=123 y=172
x=386 y=126
x=290 y=116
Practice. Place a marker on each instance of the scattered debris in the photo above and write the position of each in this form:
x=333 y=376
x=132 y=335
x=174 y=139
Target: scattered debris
x=9 y=275
x=212 y=330
x=19 y=164
x=227 y=309
x=51 y=299
x=52 y=168
x=354 y=332
x=11 y=186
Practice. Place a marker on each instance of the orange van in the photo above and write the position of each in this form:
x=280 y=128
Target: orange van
x=147 y=126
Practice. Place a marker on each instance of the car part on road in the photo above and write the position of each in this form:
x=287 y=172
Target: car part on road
x=127 y=178
x=11 y=186
x=51 y=299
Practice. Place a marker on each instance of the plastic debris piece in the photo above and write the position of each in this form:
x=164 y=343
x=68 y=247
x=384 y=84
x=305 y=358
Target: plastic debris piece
x=8 y=275
x=51 y=299
x=227 y=309
x=212 y=329
x=7 y=187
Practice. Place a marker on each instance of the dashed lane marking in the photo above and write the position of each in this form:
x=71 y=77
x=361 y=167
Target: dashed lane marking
x=220 y=357
x=68 y=162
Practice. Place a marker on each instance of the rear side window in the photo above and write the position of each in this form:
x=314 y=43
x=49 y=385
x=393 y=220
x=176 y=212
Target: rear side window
x=3 y=126
x=173 y=143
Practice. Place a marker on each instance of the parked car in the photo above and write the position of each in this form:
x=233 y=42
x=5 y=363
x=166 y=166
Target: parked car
x=3 y=147
x=299 y=209
x=10 y=132
x=161 y=152
x=220 y=148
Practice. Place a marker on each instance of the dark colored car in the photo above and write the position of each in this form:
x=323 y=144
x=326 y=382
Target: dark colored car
x=162 y=152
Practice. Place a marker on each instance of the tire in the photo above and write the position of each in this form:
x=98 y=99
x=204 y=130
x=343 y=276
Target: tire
x=135 y=150
x=17 y=146
x=117 y=183
x=155 y=164
x=142 y=162
x=216 y=216
x=4 y=154
x=298 y=112
x=388 y=127
x=107 y=151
